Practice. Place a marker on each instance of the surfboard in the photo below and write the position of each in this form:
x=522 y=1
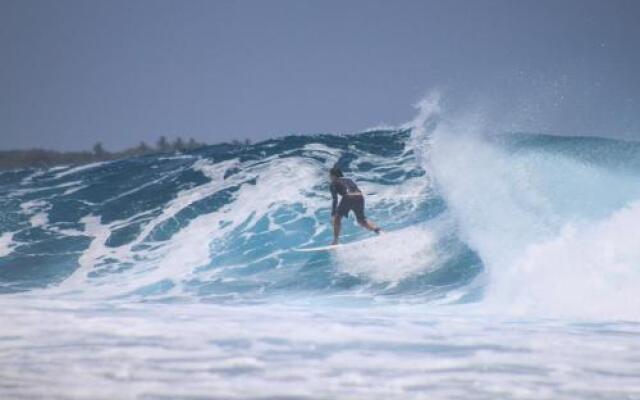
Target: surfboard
x=321 y=248
x=336 y=246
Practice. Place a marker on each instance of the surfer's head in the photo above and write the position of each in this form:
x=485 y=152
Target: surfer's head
x=335 y=173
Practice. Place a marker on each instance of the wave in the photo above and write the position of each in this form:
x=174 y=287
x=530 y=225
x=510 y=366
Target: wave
x=524 y=223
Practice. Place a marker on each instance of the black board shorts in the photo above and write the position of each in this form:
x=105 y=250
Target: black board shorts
x=352 y=202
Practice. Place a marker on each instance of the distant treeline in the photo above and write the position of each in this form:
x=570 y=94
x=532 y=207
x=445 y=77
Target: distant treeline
x=39 y=158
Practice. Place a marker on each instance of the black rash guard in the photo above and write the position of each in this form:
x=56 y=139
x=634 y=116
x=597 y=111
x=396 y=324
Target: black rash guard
x=341 y=186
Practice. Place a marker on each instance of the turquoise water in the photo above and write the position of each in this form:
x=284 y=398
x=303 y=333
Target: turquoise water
x=510 y=269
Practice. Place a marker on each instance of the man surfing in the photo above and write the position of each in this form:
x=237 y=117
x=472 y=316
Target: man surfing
x=352 y=199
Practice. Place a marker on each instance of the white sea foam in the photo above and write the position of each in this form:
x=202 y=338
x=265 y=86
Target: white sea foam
x=6 y=243
x=80 y=168
x=542 y=224
x=72 y=187
x=281 y=351
x=587 y=270
x=390 y=257
x=37 y=211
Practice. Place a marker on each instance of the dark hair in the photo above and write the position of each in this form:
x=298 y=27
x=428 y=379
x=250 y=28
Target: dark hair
x=335 y=171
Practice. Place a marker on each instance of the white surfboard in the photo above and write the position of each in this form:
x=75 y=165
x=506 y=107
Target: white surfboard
x=336 y=246
x=321 y=248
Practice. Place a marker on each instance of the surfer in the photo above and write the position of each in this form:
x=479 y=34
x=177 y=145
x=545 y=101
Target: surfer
x=352 y=199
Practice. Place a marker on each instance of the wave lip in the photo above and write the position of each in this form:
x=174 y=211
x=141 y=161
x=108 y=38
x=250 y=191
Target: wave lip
x=550 y=217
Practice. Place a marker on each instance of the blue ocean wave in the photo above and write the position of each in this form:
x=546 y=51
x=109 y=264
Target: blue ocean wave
x=222 y=223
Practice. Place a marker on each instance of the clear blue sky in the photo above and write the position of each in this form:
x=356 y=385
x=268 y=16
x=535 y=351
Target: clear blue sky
x=76 y=72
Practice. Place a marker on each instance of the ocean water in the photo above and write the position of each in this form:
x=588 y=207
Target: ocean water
x=510 y=269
